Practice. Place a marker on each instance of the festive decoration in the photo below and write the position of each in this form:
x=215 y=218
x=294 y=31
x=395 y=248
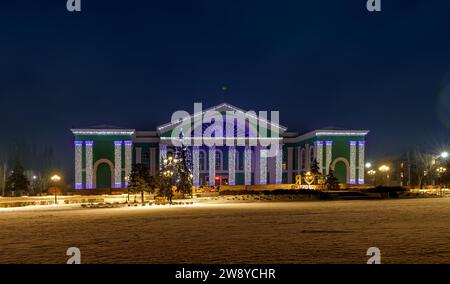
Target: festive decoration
x=263 y=166
x=103 y=131
x=78 y=165
x=128 y=158
x=117 y=164
x=212 y=165
x=279 y=165
x=319 y=154
x=162 y=153
x=196 y=165
x=183 y=170
x=247 y=165
x=352 y=162
x=89 y=164
x=361 y=154
x=328 y=154
x=232 y=165
x=331 y=182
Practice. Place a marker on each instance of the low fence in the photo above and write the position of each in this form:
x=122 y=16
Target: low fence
x=8 y=202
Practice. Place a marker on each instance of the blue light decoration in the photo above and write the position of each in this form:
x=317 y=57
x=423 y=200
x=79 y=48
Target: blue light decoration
x=89 y=164
x=78 y=165
x=352 y=162
x=117 y=164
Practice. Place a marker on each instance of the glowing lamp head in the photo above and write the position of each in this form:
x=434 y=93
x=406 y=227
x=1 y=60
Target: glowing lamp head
x=368 y=165
x=444 y=155
x=55 y=178
x=383 y=168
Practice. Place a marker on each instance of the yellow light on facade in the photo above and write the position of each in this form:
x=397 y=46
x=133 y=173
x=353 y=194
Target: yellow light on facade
x=383 y=168
x=55 y=178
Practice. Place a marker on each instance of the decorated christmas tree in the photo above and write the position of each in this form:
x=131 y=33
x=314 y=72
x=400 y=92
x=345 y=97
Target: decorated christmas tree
x=332 y=181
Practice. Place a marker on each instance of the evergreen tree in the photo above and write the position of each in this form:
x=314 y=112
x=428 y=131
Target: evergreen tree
x=315 y=170
x=332 y=181
x=17 y=181
x=184 y=178
x=140 y=180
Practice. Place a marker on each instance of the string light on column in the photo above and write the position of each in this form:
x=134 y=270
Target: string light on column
x=352 y=162
x=231 y=165
x=117 y=164
x=248 y=165
x=89 y=164
x=196 y=166
x=78 y=165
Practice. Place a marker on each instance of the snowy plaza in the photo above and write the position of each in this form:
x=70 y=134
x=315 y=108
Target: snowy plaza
x=405 y=231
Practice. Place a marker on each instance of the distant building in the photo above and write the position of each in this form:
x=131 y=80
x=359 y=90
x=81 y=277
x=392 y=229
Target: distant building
x=104 y=155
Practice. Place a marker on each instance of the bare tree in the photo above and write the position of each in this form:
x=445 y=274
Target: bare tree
x=424 y=165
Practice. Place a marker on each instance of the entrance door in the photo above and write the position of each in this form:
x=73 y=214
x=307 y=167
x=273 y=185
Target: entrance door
x=103 y=176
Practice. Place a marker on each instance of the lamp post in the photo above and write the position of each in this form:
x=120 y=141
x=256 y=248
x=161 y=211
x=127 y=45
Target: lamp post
x=168 y=172
x=372 y=173
x=440 y=171
x=385 y=170
x=55 y=179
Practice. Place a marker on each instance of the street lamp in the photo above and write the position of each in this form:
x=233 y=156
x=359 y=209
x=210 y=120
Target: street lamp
x=441 y=171
x=55 y=179
x=444 y=155
x=385 y=169
x=372 y=173
x=368 y=165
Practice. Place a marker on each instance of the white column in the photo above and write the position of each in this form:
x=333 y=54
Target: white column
x=361 y=153
x=117 y=164
x=152 y=161
x=307 y=158
x=138 y=157
x=248 y=165
x=128 y=159
x=328 y=155
x=279 y=165
x=352 y=162
x=319 y=155
x=196 y=166
x=299 y=159
x=212 y=165
x=89 y=164
x=162 y=154
x=256 y=154
x=231 y=165
x=78 y=165
x=263 y=166
x=290 y=154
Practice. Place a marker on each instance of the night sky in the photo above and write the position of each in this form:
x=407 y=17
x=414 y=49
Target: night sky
x=132 y=63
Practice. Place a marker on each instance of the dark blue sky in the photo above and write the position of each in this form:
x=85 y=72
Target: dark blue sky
x=132 y=63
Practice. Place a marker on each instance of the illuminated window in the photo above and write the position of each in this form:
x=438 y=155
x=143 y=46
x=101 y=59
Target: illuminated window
x=202 y=160
x=218 y=159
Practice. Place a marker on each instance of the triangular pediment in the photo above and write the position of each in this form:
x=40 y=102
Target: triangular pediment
x=166 y=129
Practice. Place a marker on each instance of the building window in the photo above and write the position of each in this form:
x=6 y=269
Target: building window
x=202 y=160
x=145 y=158
x=218 y=159
x=240 y=159
x=303 y=159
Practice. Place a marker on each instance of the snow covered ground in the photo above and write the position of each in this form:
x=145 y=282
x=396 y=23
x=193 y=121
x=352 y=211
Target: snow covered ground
x=406 y=231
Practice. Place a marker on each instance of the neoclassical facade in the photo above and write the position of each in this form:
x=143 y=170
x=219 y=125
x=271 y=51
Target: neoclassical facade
x=234 y=152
